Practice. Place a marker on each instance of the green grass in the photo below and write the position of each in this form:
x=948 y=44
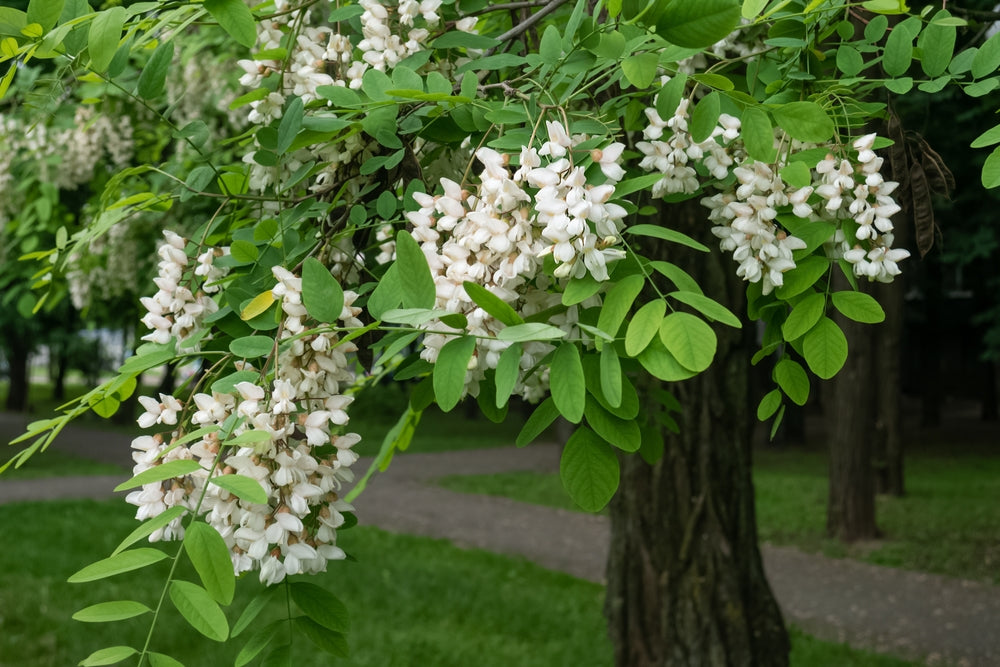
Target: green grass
x=808 y=651
x=948 y=523
x=413 y=601
x=51 y=463
x=375 y=411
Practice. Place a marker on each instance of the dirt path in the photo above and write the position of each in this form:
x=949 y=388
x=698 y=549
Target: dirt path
x=944 y=620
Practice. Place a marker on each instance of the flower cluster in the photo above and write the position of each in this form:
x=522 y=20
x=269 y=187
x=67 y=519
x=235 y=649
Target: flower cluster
x=746 y=211
x=175 y=311
x=675 y=156
x=283 y=435
x=745 y=218
x=499 y=237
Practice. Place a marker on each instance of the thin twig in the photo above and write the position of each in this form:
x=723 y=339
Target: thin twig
x=524 y=26
x=506 y=7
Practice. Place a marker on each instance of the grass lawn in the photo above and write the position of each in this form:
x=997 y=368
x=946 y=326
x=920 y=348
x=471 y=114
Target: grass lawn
x=51 y=463
x=948 y=523
x=413 y=601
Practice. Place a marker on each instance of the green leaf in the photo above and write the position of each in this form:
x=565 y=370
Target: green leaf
x=158 y=473
x=149 y=527
x=211 y=559
x=550 y=46
x=708 y=307
x=804 y=316
x=492 y=304
x=991 y=169
x=126 y=561
x=494 y=62
x=153 y=79
x=858 y=306
x=805 y=121
x=108 y=656
x=705 y=117
x=621 y=433
x=291 y=123
x=252 y=347
x=589 y=470
x=244 y=252
x=825 y=348
x=326 y=640
x=689 y=339
x=617 y=303
x=792 y=379
x=508 y=371
x=698 y=24
x=252 y=610
x=538 y=422
x=611 y=376
x=162 y=660
x=898 y=52
x=106 y=612
x=758 y=134
x=937 y=43
x=670 y=95
x=321 y=606
x=849 y=60
x=236 y=19
x=321 y=293
x=987 y=138
x=751 y=8
x=681 y=279
x=458 y=39
x=103 y=37
x=987 y=59
x=796 y=174
x=418 y=290
x=227 y=383
x=802 y=277
x=450 y=371
x=106 y=406
x=768 y=405
x=522 y=333
x=566 y=382
x=900 y=85
x=387 y=293
x=640 y=69
x=660 y=363
x=258 y=642
x=199 y=610
x=581 y=289
x=666 y=234
x=644 y=326
x=45 y=12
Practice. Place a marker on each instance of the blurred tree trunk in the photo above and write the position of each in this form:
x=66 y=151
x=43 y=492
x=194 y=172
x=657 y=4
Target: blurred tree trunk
x=888 y=382
x=17 y=359
x=850 y=425
x=686 y=584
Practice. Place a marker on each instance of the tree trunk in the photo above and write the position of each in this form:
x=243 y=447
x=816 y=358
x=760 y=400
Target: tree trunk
x=888 y=362
x=686 y=585
x=61 y=361
x=850 y=428
x=17 y=358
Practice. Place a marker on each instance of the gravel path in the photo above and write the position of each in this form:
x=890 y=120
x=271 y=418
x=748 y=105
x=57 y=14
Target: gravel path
x=943 y=620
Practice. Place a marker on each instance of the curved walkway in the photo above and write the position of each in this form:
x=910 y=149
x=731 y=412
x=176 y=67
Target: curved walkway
x=946 y=621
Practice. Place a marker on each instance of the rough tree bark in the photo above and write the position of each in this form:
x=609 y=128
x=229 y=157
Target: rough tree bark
x=850 y=427
x=686 y=584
